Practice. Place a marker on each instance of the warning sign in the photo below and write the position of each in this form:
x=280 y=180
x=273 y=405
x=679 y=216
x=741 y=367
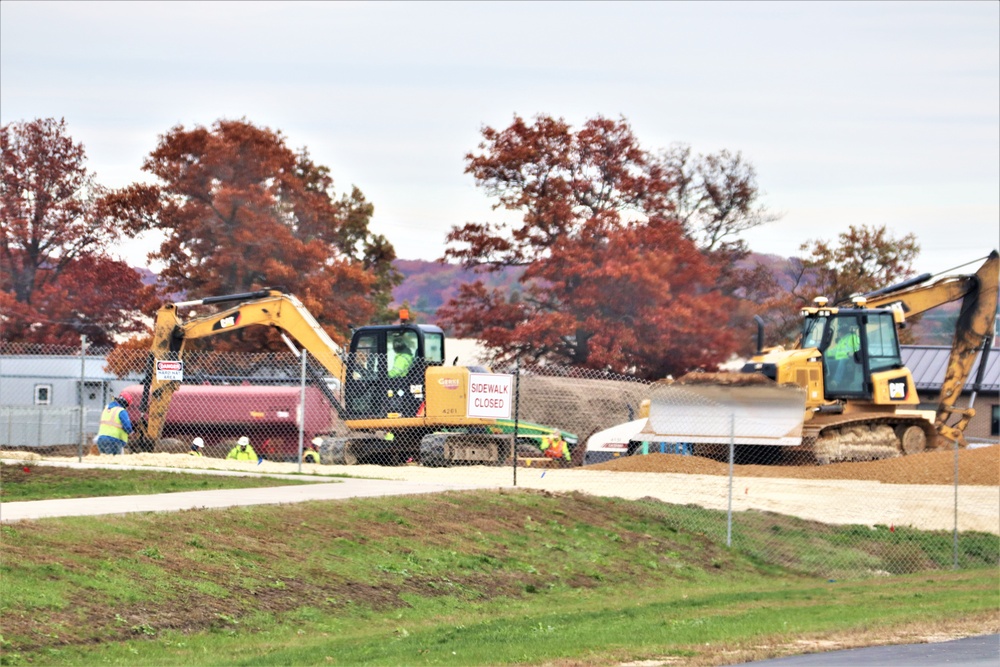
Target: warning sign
x=170 y=371
x=491 y=395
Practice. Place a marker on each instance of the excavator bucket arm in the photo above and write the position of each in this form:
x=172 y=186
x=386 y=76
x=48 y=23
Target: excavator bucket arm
x=266 y=308
x=973 y=330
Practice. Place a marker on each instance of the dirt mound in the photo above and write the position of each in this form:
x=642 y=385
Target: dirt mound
x=980 y=466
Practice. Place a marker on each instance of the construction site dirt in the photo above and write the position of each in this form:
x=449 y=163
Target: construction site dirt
x=917 y=490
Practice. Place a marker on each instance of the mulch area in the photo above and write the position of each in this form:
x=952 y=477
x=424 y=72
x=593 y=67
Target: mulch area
x=980 y=466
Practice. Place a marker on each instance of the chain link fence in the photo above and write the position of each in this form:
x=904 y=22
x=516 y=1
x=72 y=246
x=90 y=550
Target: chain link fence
x=735 y=451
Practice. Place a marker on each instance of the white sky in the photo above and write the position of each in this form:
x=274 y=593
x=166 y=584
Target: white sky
x=864 y=113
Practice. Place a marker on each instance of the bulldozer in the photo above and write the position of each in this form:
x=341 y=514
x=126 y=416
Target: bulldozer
x=396 y=398
x=841 y=393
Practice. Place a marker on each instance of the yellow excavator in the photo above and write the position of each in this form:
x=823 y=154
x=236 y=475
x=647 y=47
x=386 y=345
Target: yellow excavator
x=842 y=393
x=396 y=412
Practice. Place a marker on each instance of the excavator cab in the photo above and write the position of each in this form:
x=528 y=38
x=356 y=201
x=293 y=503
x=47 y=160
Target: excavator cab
x=385 y=369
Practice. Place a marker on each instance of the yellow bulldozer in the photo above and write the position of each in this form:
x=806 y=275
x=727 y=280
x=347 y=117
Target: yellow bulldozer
x=842 y=392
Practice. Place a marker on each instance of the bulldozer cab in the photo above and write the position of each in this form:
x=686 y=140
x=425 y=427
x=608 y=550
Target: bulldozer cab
x=385 y=369
x=854 y=342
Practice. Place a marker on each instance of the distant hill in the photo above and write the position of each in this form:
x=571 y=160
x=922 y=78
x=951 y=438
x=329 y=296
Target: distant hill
x=429 y=285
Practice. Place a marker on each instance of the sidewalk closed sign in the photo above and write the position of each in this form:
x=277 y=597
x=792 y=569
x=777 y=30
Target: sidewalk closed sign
x=170 y=371
x=491 y=395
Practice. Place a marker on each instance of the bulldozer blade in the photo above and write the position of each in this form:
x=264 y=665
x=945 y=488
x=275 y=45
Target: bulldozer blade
x=765 y=414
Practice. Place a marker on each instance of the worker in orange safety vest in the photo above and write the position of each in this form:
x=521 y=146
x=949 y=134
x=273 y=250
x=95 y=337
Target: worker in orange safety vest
x=554 y=447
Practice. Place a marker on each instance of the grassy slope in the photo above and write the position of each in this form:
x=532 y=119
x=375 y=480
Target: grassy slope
x=39 y=482
x=466 y=578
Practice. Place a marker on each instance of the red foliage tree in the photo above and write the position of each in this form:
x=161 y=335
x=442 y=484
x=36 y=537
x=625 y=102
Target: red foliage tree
x=242 y=212
x=56 y=279
x=613 y=280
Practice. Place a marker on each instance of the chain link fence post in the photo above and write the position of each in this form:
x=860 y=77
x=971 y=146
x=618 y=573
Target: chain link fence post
x=302 y=406
x=954 y=530
x=732 y=455
x=517 y=414
x=80 y=392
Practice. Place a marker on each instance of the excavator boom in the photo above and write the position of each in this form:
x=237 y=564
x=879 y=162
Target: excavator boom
x=973 y=329
x=266 y=307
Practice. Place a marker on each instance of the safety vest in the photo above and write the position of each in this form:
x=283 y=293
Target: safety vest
x=846 y=346
x=194 y=453
x=247 y=454
x=401 y=365
x=552 y=446
x=111 y=424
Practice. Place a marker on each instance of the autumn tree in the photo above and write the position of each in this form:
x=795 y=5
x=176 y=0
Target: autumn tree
x=613 y=278
x=861 y=260
x=242 y=211
x=57 y=279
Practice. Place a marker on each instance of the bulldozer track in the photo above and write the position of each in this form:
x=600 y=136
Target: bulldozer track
x=867 y=438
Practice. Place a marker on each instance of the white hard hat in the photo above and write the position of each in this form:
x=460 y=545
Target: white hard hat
x=198 y=442
x=317 y=441
x=243 y=441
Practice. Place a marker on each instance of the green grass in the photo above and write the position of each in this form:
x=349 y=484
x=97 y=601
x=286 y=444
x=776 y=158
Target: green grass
x=27 y=481
x=471 y=578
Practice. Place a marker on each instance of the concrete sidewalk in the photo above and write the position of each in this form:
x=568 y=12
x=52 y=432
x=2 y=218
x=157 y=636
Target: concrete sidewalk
x=186 y=500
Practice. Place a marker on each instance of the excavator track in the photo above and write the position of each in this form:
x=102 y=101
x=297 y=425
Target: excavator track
x=446 y=449
x=867 y=439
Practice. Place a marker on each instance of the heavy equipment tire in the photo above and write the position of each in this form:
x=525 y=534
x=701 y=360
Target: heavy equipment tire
x=141 y=444
x=337 y=451
x=912 y=439
x=432 y=450
x=350 y=457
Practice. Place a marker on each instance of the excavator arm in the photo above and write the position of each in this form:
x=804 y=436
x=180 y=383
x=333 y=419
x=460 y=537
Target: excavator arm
x=973 y=330
x=266 y=308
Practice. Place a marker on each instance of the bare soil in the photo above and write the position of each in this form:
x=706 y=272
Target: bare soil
x=979 y=467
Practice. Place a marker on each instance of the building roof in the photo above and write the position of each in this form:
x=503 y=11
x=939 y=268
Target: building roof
x=929 y=362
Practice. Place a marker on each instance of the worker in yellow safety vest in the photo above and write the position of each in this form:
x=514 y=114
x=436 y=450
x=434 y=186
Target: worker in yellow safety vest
x=242 y=451
x=197 y=445
x=843 y=361
x=404 y=358
x=311 y=455
x=112 y=436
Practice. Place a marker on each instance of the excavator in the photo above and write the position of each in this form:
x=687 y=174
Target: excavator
x=842 y=393
x=395 y=412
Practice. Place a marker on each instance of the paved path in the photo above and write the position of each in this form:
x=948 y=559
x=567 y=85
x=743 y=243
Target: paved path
x=186 y=500
x=981 y=651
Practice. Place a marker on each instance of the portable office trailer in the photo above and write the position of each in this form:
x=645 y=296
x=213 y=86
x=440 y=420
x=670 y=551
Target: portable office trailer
x=41 y=397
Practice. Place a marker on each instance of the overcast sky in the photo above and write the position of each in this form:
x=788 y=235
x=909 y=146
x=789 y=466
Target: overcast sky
x=865 y=113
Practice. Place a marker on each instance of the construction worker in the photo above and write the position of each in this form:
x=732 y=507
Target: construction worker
x=311 y=455
x=843 y=362
x=196 y=446
x=242 y=451
x=112 y=436
x=554 y=447
x=846 y=345
x=404 y=358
